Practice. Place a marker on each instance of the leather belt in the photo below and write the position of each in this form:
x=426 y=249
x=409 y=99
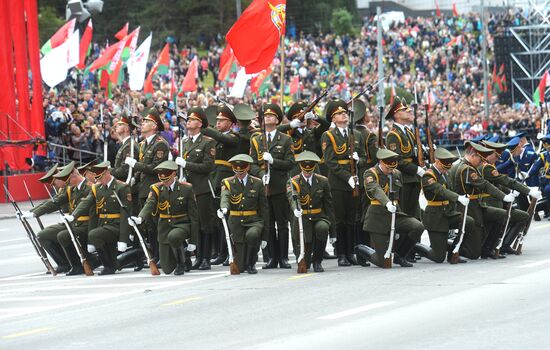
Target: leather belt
x=344 y=161
x=242 y=213
x=437 y=203
x=479 y=196
x=109 y=216
x=377 y=202
x=312 y=211
x=83 y=218
x=168 y=216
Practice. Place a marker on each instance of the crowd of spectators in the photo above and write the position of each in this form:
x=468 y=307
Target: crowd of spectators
x=442 y=54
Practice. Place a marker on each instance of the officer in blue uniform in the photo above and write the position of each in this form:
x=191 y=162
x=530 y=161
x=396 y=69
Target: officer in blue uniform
x=541 y=169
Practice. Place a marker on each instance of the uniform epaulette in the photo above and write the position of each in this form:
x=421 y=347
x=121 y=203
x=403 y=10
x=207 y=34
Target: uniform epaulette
x=319 y=176
x=185 y=183
x=255 y=178
x=120 y=182
x=207 y=137
x=157 y=184
x=295 y=177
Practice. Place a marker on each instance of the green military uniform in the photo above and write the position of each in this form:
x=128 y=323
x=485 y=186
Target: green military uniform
x=246 y=205
x=227 y=146
x=466 y=179
x=112 y=221
x=401 y=140
x=279 y=146
x=244 y=115
x=178 y=221
x=199 y=153
x=337 y=156
x=440 y=215
x=303 y=139
x=379 y=187
x=518 y=218
x=315 y=201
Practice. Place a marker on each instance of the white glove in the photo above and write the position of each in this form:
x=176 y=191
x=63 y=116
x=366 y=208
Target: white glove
x=91 y=248
x=295 y=123
x=515 y=193
x=221 y=212
x=68 y=217
x=464 y=200
x=535 y=193
x=265 y=179
x=191 y=247
x=25 y=214
x=355 y=156
x=181 y=162
x=310 y=115
x=268 y=157
x=297 y=213
x=509 y=198
x=540 y=135
x=391 y=208
x=130 y=161
x=263 y=245
x=134 y=220
x=132 y=181
x=351 y=182
x=420 y=172
x=332 y=240
x=122 y=246
x=524 y=175
x=131 y=238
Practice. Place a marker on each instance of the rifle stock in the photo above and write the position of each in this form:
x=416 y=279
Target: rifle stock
x=233 y=268
x=518 y=242
x=431 y=151
x=264 y=145
x=456 y=254
x=387 y=264
x=351 y=142
x=381 y=127
x=419 y=150
x=302 y=267
x=312 y=105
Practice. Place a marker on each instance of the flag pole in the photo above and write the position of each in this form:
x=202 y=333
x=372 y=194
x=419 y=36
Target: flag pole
x=282 y=71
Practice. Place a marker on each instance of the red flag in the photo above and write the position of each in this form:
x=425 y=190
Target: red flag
x=504 y=85
x=455 y=11
x=162 y=61
x=294 y=84
x=190 y=80
x=173 y=89
x=257 y=81
x=256 y=35
x=226 y=61
x=122 y=32
x=106 y=56
x=437 y=9
x=85 y=45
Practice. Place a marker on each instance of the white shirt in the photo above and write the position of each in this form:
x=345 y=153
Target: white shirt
x=402 y=127
x=172 y=185
x=272 y=133
x=195 y=137
x=110 y=182
x=343 y=131
x=244 y=180
x=80 y=184
x=150 y=139
x=308 y=179
x=126 y=138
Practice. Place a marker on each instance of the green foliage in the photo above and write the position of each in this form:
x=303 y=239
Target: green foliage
x=342 y=22
x=314 y=16
x=48 y=23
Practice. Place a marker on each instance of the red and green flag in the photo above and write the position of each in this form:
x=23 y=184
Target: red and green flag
x=260 y=83
x=226 y=63
x=123 y=32
x=85 y=45
x=190 y=81
x=59 y=37
x=161 y=66
x=538 y=96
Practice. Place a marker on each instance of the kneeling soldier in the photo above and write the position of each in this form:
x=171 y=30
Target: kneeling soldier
x=178 y=220
x=440 y=215
x=315 y=209
x=243 y=197
x=383 y=182
x=112 y=224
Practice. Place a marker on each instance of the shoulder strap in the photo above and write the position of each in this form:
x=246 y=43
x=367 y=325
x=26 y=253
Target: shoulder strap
x=338 y=150
x=156 y=189
x=94 y=190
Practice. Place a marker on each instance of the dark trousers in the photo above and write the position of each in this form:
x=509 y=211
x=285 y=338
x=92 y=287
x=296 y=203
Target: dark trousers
x=279 y=209
x=345 y=212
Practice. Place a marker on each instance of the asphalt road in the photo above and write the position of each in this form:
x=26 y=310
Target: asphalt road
x=478 y=305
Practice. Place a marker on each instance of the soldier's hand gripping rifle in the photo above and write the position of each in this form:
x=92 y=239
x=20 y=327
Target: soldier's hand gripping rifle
x=30 y=234
x=32 y=204
x=431 y=150
x=265 y=147
x=419 y=149
x=233 y=268
x=388 y=254
x=152 y=265
x=368 y=89
x=351 y=143
x=501 y=238
x=302 y=267
x=181 y=133
x=456 y=255
x=132 y=155
x=81 y=253
x=312 y=105
x=105 y=133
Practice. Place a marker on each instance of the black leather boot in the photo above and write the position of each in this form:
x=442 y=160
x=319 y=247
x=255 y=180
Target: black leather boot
x=187 y=264
x=179 y=253
x=222 y=256
x=74 y=261
x=365 y=252
x=105 y=258
x=283 y=249
x=129 y=258
x=399 y=260
x=57 y=254
x=317 y=256
x=205 y=253
x=252 y=257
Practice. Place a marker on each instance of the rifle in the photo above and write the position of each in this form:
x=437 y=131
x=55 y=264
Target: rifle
x=105 y=134
x=81 y=253
x=388 y=254
x=381 y=127
x=181 y=132
x=132 y=155
x=264 y=144
x=152 y=265
x=32 y=204
x=517 y=244
x=431 y=154
x=312 y=105
x=30 y=233
x=351 y=142
x=302 y=267
x=456 y=256
x=369 y=88
x=501 y=238
x=419 y=150
x=233 y=268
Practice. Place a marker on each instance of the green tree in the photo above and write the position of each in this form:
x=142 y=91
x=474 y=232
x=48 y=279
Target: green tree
x=342 y=22
x=48 y=23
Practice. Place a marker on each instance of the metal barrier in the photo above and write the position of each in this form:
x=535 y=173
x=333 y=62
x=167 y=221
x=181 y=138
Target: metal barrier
x=62 y=156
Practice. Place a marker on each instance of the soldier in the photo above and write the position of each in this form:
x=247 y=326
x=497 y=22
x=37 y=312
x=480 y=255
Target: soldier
x=465 y=179
x=279 y=160
x=84 y=170
x=541 y=170
x=440 y=215
x=338 y=156
x=111 y=231
x=518 y=218
x=243 y=198
x=199 y=152
x=174 y=203
x=304 y=138
x=227 y=146
x=153 y=150
x=244 y=115
x=316 y=210
x=48 y=236
x=382 y=185
x=401 y=140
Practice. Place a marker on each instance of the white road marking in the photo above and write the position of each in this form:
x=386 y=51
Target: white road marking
x=356 y=310
x=535 y=264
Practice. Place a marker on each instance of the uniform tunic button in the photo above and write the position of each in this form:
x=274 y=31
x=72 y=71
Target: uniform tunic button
x=242 y=220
